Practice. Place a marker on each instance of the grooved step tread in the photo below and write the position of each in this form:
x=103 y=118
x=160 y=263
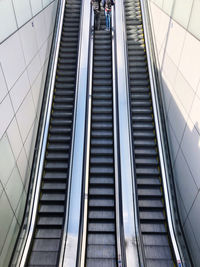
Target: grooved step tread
x=152 y=214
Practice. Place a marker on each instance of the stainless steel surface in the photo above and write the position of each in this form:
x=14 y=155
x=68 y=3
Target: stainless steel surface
x=73 y=219
x=164 y=170
x=116 y=143
x=88 y=119
x=127 y=173
x=61 y=259
x=42 y=147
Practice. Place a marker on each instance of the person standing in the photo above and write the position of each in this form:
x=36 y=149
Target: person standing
x=107 y=4
x=97 y=11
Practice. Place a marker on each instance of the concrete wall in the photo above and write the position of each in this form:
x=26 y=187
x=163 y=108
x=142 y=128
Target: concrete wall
x=177 y=34
x=25 y=40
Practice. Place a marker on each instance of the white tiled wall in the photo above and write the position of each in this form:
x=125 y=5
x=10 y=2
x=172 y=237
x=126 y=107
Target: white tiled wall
x=178 y=48
x=23 y=65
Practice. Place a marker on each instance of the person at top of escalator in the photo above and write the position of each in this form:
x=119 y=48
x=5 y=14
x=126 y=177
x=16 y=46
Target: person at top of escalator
x=107 y=4
x=96 y=4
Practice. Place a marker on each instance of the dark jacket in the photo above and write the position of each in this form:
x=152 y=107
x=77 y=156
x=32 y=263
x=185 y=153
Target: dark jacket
x=96 y=6
x=107 y=4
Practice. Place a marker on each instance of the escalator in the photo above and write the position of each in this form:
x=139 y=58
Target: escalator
x=155 y=237
x=47 y=237
x=101 y=225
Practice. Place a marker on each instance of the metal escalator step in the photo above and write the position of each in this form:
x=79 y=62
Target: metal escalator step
x=147 y=171
x=149 y=181
x=52 y=197
x=101 y=134
x=143 y=126
x=144 y=142
x=156 y=228
x=103 y=76
x=151 y=203
x=53 y=147
x=101 y=180
x=64 y=100
x=59 y=138
x=48 y=233
x=100 y=262
x=146 y=161
x=51 y=209
x=103 y=203
x=104 y=64
x=102 y=125
x=159 y=263
x=140 y=89
x=140 y=134
x=101 y=251
x=55 y=175
x=102 y=215
x=60 y=130
x=107 y=151
x=147 y=192
x=101 y=103
x=102 y=117
x=155 y=240
x=101 y=227
x=101 y=160
x=141 y=103
x=146 y=152
x=140 y=110
x=56 y=186
x=101 y=110
x=102 y=142
x=60 y=115
x=146 y=118
x=50 y=221
x=106 y=192
x=101 y=239
x=43 y=258
x=135 y=82
x=101 y=170
x=57 y=156
x=46 y=245
x=157 y=252
x=64 y=85
x=138 y=60
x=63 y=107
x=152 y=215
x=102 y=96
x=103 y=69
x=56 y=166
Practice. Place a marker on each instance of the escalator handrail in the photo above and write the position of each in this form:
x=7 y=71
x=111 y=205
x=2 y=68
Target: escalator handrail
x=118 y=200
x=159 y=135
x=42 y=144
x=83 y=226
